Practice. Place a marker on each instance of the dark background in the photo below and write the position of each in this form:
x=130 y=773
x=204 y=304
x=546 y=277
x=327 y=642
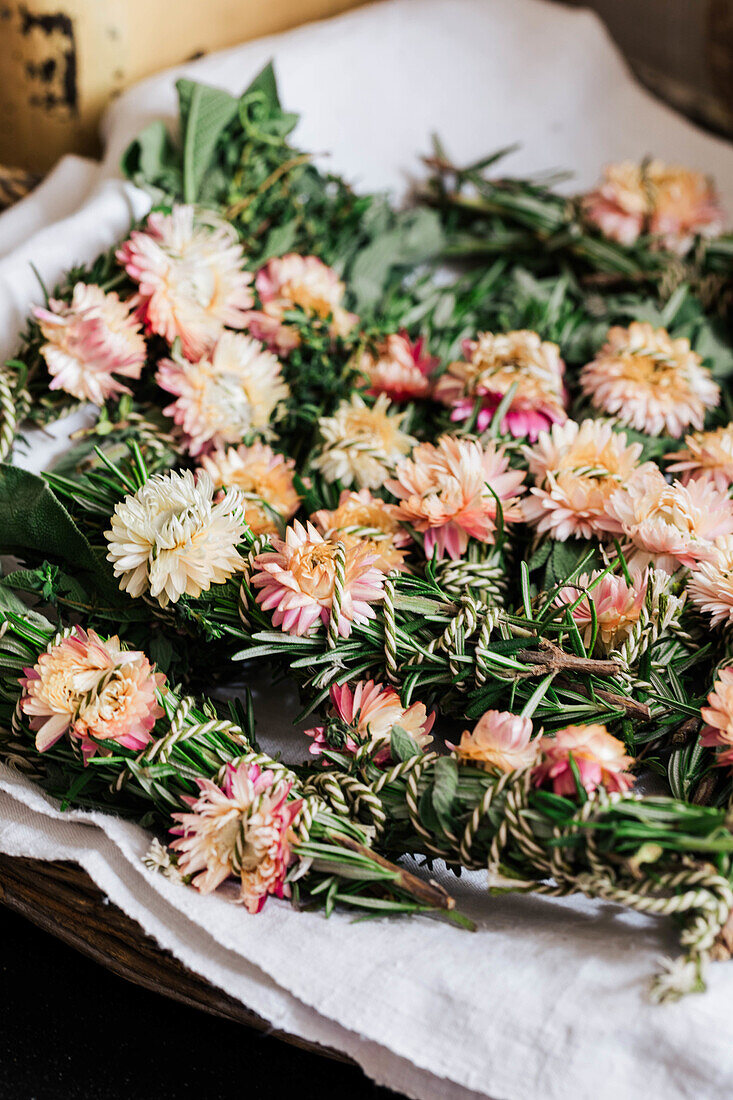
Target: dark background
x=70 y=1030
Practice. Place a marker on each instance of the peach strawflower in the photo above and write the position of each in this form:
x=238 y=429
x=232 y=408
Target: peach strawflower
x=190 y=276
x=599 y=757
x=448 y=491
x=706 y=454
x=710 y=583
x=362 y=443
x=492 y=364
x=265 y=480
x=577 y=468
x=89 y=688
x=296 y=581
x=90 y=340
x=650 y=381
x=234 y=392
x=718 y=717
x=243 y=829
x=499 y=740
x=398 y=367
x=171 y=539
x=365 y=517
x=669 y=526
x=617 y=604
x=666 y=201
x=294 y=281
x=367 y=715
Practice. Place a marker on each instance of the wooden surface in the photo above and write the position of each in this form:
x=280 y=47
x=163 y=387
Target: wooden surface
x=61 y=899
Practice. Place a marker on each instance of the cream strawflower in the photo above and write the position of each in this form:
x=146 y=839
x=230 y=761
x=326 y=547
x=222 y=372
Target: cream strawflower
x=449 y=491
x=495 y=363
x=170 y=538
x=367 y=715
x=706 y=454
x=397 y=367
x=297 y=579
x=499 y=740
x=190 y=277
x=617 y=605
x=365 y=517
x=710 y=583
x=293 y=281
x=577 y=468
x=672 y=203
x=87 y=688
x=669 y=526
x=650 y=381
x=599 y=757
x=265 y=480
x=362 y=443
x=90 y=340
x=235 y=392
x=244 y=829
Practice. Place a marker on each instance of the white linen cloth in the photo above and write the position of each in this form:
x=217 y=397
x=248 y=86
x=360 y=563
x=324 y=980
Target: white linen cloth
x=547 y=999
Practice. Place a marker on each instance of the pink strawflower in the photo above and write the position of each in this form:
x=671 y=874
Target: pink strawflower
x=398 y=367
x=448 y=491
x=710 y=583
x=492 y=365
x=672 y=203
x=365 y=517
x=367 y=715
x=599 y=757
x=500 y=740
x=89 y=341
x=649 y=381
x=243 y=829
x=296 y=581
x=294 y=281
x=234 y=392
x=89 y=688
x=265 y=480
x=577 y=468
x=706 y=454
x=669 y=526
x=191 y=278
x=617 y=605
x=718 y=717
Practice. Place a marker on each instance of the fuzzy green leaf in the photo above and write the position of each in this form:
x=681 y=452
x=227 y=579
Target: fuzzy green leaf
x=205 y=113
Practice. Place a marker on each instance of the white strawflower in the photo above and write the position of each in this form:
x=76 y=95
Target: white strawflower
x=362 y=443
x=170 y=539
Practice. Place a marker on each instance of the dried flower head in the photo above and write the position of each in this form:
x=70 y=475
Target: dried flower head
x=190 y=277
x=297 y=581
x=449 y=492
x=616 y=603
x=706 y=454
x=365 y=517
x=672 y=203
x=669 y=526
x=500 y=740
x=236 y=391
x=710 y=583
x=718 y=718
x=599 y=758
x=89 y=688
x=366 y=716
x=90 y=340
x=577 y=468
x=398 y=367
x=242 y=829
x=264 y=479
x=362 y=443
x=170 y=538
x=304 y=282
x=650 y=381
x=493 y=364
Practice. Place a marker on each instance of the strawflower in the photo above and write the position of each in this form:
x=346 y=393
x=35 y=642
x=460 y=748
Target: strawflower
x=599 y=757
x=89 y=341
x=366 y=715
x=243 y=829
x=499 y=740
x=171 y=538
x=365 y=517
x=718 y=718
x=706 y=454
x=362 y=443
x=398 y=367
x=265 y=480
x=617 y=604
x=710 y=583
